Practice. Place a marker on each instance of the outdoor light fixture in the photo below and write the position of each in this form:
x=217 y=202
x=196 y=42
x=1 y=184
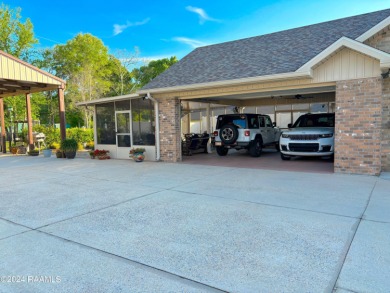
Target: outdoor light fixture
x=386 y=74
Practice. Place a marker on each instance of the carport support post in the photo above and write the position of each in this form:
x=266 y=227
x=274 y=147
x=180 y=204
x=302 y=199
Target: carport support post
x=3 y=146
x=208 y=119
x=29 y=122
x=208 y=127
x=61 y=103
x=188 y=118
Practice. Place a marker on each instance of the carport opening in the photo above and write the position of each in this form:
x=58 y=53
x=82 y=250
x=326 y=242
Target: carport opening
x=199 y=116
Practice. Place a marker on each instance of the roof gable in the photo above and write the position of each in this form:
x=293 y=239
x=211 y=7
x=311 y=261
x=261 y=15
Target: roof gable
x=19 y=77
x=266 y=55
x=383 y=57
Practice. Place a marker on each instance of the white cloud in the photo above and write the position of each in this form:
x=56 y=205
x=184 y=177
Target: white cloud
x=147 y=59
x=119 y=28
x=191 y=42
x=203 y=17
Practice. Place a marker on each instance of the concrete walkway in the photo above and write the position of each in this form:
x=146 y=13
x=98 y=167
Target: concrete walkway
x=118 y=226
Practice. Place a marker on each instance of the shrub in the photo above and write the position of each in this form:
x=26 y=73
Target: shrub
x=55 y=146
x=53 y=136
x=81 y=135
x=69 y=144
x=90 y=145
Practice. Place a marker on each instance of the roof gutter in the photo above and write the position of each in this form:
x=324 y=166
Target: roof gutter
x=273 y=77
x=149 y=97
x=372 y=31
x=107 y=100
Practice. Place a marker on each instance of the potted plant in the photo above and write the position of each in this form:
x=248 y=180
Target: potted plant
x=137 y=154
x=14 y=149
x=92 y=154
x=22 y=150
x=47 y=152
x=60 y=154
x=69 y=147
x=33 y=153
x=101 y=154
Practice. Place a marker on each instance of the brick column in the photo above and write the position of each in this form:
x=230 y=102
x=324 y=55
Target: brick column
x=386 y=125
x=170 y=137
x=358 y=126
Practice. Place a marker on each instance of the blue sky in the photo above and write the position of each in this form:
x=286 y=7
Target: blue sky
x=175 y=27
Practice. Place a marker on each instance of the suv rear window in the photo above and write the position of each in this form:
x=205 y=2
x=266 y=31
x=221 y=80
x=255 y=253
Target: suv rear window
x=320 y=120
x=238 y=120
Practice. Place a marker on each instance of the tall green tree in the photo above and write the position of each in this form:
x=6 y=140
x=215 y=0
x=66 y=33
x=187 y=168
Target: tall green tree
x=16 y=37
x=146 y=73
x=120 y=78
x=120 y=63
x=84 y=63
x=49 y=111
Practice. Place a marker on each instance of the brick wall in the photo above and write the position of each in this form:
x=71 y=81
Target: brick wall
x=170 y=138
x=386 y=125
x=358 y=126
x=380 y=41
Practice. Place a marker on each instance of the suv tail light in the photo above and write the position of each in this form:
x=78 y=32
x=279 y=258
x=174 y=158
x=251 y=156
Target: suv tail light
x=215 y=133
x=247 y=133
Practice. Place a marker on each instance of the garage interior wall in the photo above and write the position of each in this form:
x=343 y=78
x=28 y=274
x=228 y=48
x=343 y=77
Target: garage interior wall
x=194 y=120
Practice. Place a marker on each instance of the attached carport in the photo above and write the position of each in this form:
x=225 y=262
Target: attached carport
x=348 y=58
x=283 y=106
x=21 y=78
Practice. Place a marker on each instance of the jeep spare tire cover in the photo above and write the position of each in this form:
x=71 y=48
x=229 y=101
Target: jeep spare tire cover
x=228 y=133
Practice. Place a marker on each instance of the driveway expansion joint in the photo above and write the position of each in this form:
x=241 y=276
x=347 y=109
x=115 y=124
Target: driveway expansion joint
x=267 y=204
x=355 y=229
x=138 y=263
x=97 y=210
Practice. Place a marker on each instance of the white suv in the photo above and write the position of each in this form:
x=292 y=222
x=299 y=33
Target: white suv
x=245 y=131
x=311 y=135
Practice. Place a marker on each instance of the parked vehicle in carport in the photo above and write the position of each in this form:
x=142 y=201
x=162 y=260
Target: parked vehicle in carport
x=245 y=131
x=311 y=135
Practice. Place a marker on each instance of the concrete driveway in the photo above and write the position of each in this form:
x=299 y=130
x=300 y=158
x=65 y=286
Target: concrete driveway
x=118 y=226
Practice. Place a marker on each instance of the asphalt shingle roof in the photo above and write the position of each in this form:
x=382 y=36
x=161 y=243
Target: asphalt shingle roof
x=274 y=53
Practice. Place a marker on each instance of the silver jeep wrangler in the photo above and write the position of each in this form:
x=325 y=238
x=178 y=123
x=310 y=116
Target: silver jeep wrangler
x=245 y=131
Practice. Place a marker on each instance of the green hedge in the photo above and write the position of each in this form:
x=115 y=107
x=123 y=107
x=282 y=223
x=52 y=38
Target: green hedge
x=81 y=135
x=52 y=134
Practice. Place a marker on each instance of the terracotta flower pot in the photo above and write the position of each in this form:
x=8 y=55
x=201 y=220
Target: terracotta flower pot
x=14 y=150
x=103 y=157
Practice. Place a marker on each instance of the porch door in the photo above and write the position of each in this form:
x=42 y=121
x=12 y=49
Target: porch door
x=123 y=133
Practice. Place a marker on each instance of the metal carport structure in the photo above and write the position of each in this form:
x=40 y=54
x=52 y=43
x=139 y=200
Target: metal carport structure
x=21 y=78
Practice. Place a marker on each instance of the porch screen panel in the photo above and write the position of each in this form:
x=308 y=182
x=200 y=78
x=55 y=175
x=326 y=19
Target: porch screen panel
x=105 y=123
x=143 y=124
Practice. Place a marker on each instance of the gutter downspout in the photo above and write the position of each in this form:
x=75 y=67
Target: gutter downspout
x=148 y=96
